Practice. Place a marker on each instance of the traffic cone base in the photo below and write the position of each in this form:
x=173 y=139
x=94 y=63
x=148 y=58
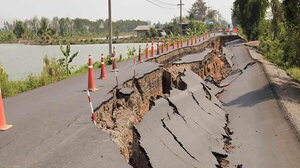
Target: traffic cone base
x=93 y=89
x=6 y=127
x=115 y=70
x=3 y=125
x=103 y=78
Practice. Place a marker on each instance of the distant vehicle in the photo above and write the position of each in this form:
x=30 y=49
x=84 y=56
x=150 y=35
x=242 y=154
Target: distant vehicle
x=220 y=30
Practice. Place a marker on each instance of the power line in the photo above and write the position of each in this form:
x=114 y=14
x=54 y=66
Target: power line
x=153 y=3
x=166 y=3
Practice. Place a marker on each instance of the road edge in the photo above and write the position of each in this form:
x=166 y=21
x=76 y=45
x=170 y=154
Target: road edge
x=289 y=113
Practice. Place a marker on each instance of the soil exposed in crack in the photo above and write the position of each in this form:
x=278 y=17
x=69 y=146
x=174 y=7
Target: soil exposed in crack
x=140 y=158
x=118 y=115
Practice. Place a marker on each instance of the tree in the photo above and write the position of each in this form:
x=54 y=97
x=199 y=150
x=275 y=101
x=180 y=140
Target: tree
x=117 y=31
x=19 y=29
x=172 y=27
x=212 y=15
x=55 y=24
x=292 y=12
x=249 y=14
x=44 y=25
x=35 y=25
x=277 y=21
x=292 y=47
x=193 y=26
x=198 y=10
x=153 y=32
x=66 y=61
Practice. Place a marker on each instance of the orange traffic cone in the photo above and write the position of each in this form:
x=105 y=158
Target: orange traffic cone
x=178 y=42
x=173 y=44
x=3 y=125
x=181 y=42
x=91 y=82
x=196 y=39
x=103 y=73
x=147 y=51
x=157 y=51
x=199 y=39
x=163 y=47
x=152 y=50
x=140 y=54
x=188 y=41
x=192 y=40
x=168 y=45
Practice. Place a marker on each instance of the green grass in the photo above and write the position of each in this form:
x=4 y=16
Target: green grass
x=294 y=72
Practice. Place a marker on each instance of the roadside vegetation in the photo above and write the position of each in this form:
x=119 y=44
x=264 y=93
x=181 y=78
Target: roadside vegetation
x=76 y=31
x=277 y=31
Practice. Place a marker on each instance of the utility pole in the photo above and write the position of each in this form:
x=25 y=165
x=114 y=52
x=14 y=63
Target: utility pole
x=110 y=27
x=180 y=20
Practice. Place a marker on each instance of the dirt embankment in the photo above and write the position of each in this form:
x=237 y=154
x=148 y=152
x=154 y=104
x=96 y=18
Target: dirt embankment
x=128 y=105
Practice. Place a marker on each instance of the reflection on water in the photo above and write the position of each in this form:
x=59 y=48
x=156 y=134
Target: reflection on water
x=19 y=60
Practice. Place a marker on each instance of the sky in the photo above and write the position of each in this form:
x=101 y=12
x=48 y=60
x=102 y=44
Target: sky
x=97 y=9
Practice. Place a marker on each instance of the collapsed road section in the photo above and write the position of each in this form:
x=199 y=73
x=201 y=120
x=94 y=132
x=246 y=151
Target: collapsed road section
x=171 y=117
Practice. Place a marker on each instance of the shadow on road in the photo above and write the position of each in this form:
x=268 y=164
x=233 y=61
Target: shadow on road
x=253 y=97
x=264 y=94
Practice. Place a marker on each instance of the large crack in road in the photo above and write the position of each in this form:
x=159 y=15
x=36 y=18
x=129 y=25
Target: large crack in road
x=172 y=116
x=193 y=127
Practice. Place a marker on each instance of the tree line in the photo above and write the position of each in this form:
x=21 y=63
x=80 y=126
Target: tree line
x=54 y=28
x=277 y=31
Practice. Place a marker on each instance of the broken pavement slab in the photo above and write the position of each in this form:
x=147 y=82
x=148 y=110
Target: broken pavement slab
x=158 y=143
x=188 y=135
x=193 y=57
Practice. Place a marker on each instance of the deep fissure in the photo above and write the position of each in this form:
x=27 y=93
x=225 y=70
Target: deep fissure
x=118 y=115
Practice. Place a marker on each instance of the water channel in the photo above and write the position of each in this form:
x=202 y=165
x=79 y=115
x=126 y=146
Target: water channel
x=19 y=60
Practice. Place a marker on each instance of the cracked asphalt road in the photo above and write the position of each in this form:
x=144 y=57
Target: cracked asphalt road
x=184 y=129
x=262 y=136
x=53 y=128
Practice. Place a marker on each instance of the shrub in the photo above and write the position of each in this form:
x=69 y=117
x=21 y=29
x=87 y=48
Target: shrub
x=4 y=83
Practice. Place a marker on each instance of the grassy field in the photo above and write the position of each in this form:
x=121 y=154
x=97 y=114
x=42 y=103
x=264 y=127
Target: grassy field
x=295 y=73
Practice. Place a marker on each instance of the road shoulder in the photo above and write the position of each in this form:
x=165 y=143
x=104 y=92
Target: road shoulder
x=285 y=88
